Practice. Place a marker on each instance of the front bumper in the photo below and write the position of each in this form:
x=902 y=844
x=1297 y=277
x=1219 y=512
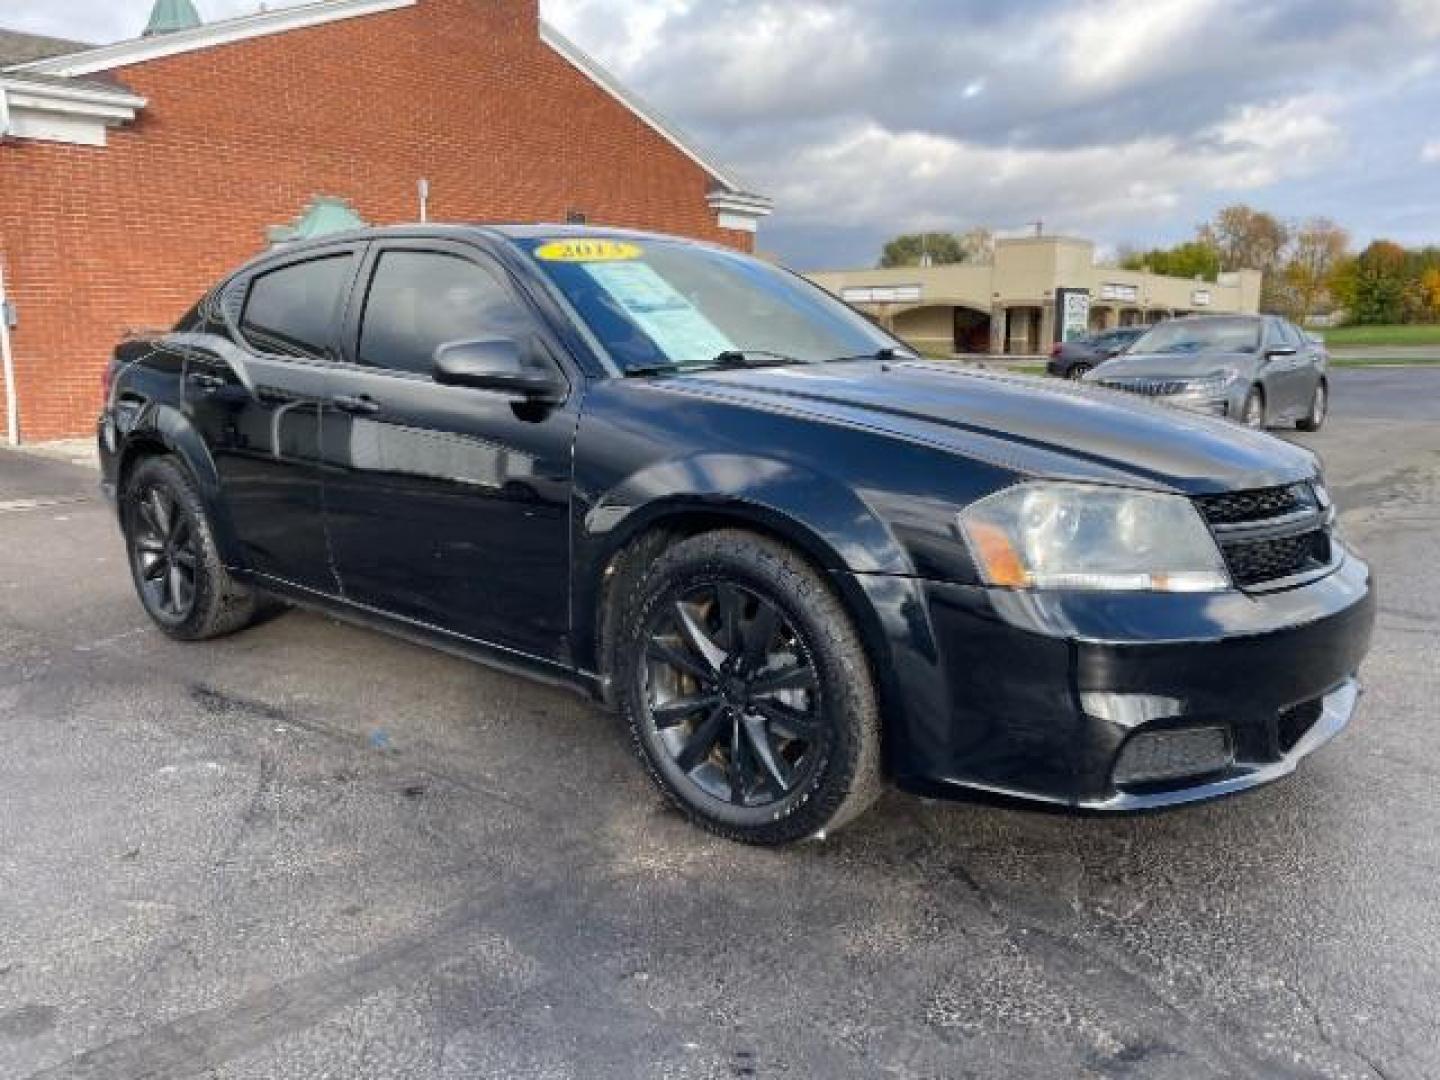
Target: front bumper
x=1041 y=696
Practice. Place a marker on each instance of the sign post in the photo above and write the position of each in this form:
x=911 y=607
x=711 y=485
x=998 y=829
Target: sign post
x=1072 y=309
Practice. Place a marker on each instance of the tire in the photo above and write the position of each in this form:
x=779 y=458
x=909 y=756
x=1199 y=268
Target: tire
x=1319 y=408
x=179 y=576
x=1252 y=413
x=1079 y=371
x=747 y=631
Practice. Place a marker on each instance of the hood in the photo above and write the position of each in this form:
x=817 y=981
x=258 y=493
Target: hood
x=1039 y=427
x=1171 y=365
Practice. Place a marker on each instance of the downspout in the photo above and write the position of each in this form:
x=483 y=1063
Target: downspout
x=12 y=405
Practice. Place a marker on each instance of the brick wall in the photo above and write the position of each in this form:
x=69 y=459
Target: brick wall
x=240 y=137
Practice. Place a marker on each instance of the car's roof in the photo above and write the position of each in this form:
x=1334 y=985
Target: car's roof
x=504 y=231
x=1218 y=316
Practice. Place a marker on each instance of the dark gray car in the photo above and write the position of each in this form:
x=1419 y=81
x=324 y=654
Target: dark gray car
x=1257 y=369
x=1072 y=359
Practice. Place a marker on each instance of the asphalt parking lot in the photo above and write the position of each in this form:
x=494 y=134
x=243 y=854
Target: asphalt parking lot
x=313 y=851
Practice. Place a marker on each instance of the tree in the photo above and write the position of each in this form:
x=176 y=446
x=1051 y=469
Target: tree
x=914 y=249
x=1430 y=290
x=1319 y=247
x=978 y=244
x=1376 y=284
x=1192 y=259
x=1246 y=238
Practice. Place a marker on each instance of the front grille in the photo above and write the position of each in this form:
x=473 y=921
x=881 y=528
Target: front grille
x=1148 y=387
x=1269 y=534
x=1241 y=506
x=1254 y=562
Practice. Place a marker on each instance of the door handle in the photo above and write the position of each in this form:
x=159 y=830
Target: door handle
x=206 y=384
x=356 y=404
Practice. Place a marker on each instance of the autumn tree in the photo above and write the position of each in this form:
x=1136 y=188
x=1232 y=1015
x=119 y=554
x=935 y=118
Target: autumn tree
x=1246 y=238
x=1318 y=249
x=1373 y=287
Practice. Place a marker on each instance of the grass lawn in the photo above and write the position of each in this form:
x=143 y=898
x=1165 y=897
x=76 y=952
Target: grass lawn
x=1415 y=334
x=1381 y=361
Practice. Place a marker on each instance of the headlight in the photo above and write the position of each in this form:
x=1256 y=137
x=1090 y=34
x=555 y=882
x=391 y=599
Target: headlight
x=1211 y=384
x=1078 y=536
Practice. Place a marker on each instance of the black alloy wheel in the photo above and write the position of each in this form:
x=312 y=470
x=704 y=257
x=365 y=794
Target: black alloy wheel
x=748 y=692
x=1079 y=371
x=733 y=695
x=165 y=553
x=178 y=572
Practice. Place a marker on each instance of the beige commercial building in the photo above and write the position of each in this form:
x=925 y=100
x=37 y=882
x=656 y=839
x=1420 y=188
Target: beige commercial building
x=1034 y=292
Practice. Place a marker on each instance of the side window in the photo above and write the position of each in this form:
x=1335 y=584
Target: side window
x=292 y=311
x=419 y=300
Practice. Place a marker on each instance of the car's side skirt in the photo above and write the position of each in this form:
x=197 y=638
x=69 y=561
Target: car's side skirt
x=512 y=661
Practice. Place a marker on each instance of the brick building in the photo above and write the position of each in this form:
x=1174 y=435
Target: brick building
x=132 y=175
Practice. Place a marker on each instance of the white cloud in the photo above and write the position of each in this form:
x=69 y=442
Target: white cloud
x=1106 y=45
x=1430 y=152
x=869 y=176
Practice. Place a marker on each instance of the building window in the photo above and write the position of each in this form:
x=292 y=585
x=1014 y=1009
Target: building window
x=883 y=294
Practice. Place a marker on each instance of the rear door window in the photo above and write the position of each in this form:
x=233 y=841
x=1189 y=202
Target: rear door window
x=292 y=311
x=419 y=300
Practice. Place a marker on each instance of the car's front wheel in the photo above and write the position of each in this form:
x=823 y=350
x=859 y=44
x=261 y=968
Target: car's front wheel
x=1079 y=371
x=748 y=693
x=1252 y=413
x=1319 y=406
x=178 y=572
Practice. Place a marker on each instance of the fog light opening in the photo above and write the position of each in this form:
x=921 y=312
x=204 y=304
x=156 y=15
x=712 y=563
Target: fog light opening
x=1163 y=757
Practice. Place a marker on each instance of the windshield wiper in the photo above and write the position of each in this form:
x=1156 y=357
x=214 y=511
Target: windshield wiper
x=642 y=370
x=748 y=358
x=884 y=355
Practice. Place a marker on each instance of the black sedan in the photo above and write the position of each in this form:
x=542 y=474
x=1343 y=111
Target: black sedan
x=800 y=559
x=1072 y=359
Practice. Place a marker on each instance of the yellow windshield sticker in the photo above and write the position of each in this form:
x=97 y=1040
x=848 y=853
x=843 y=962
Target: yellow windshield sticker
x=588 y=251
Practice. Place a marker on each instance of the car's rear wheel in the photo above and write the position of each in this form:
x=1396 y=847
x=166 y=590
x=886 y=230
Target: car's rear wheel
x=1252 y=413
x=1319 y=407
x=1079 y=371
x=748 y=693
x=178 y=573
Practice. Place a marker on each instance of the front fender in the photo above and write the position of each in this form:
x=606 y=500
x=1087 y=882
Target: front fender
x=839 y=528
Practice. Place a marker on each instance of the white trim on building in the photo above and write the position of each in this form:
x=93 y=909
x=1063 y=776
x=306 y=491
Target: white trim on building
x=222 y=32
x=55 y=112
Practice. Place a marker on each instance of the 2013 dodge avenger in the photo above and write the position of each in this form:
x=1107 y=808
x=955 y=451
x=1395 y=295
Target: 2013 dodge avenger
x=799 y=558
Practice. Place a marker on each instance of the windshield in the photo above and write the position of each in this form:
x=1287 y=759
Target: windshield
x=660 y=305
x=1201 y=335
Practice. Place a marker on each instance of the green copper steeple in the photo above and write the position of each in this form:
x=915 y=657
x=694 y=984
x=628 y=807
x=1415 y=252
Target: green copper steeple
x=171 y=15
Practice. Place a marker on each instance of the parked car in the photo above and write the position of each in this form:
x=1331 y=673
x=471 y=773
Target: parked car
x=695 y=487
x=1257 y=369
x=1072 y=359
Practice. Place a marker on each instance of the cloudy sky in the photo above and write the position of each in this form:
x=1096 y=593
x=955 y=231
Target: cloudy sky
x=1124 y=120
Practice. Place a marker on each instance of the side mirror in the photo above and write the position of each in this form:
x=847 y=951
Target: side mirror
x=499 y=364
